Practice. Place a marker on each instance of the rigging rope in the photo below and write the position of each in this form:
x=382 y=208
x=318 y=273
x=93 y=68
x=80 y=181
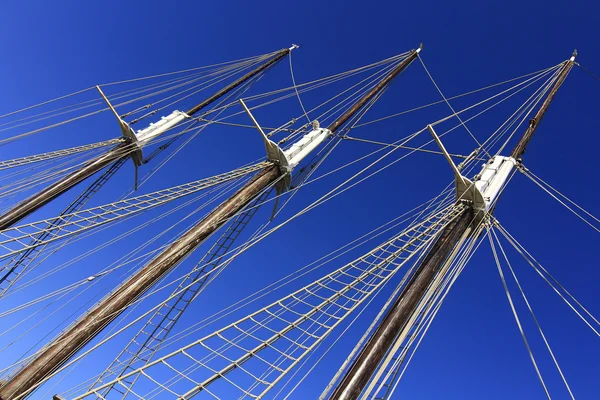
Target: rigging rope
x=315 y=179
x=542 y=91
x=318 y=202
x=514 y=311
x=453 y=97
x=450 y=106
x=382 y=279
x=586 y=70
x=549 y=279
x=136 y=80
x=293 y=276
x=432 y=314
x=296 y=89
x=532 y=313
x=127 y=259
x=94 y=102
x=547 y=188
x=297 y=93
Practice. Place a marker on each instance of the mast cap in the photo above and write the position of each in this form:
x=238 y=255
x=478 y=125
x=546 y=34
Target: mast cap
x=573 y=55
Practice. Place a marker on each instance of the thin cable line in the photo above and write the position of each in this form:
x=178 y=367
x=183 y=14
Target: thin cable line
x=532 y=313
x=586 y=70
x=451 y=108
x=539 y=182
x=454 y=97
x=514 y=311
x=539 y=268
x=296 y=89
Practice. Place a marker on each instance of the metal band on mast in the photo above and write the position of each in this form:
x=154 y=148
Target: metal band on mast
x=124 y=149
x=63 y=347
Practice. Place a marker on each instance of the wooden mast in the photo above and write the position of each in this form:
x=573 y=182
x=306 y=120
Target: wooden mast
x=520 y=148
x=66 y=344
x=124 y=149
x=360 y=372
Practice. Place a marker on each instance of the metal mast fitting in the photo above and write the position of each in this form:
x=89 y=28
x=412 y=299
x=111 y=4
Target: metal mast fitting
x=481 y=196
x=484 y=190
x=131 y=147
x=65 y=345
x=288 y=159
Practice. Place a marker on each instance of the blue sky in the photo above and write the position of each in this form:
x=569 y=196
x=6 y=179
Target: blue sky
x=473 y=349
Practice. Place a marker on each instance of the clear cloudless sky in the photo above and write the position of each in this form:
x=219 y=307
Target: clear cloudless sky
x=473 y=349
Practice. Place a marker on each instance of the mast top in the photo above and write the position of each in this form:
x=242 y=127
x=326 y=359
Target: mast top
x=380 y=86
x=294 y=46
x=519 y=149
x=573 y=56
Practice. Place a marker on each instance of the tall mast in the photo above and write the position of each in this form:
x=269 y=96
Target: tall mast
x=364 y=366
x=124 y=149
x=65 y=345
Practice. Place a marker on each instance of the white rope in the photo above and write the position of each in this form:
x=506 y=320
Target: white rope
x=472 y=248
x=316 y=363
x=522 y=112
x=539 y=269
x=296 y=89
x=238 y=92
x=423 y=310
x=200 y=87
x=525 y=83
x=373 y=164
x=246 y=246
x=266 y=55
x=514 y=311
x=294 y=276
x=229 y=65
x=532 y=313
x=541 y=92
x=127 y=259
x=538 y=181
x=114 y=266
x=336 y=170
x=44 y=128
x=450 y=106
x=452 y=97
x=315 y=84
x=46 y=102
x=373 y=324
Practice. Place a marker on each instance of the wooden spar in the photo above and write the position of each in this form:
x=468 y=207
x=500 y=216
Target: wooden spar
x=63 y=347
x=520 y=148
x=46 y=195
x=281 y=54
x=383 y=338
x=124 y=149
x=76 y=336
x=381 y=85
x=364 y=366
